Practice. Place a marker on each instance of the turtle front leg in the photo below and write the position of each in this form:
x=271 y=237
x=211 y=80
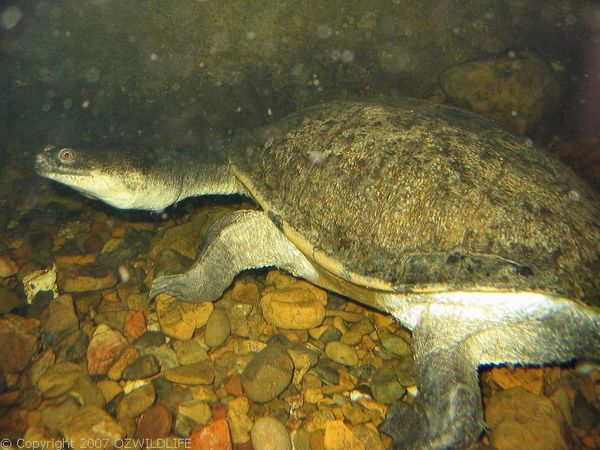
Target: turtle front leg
x=447 y=412
x=236 y=242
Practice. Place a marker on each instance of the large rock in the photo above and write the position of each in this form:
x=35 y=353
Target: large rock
x=268 y=374
x=18 y=342
x=517 y=90
x=519 y=419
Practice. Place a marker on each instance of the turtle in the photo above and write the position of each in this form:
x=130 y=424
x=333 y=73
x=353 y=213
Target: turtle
x=482 y=244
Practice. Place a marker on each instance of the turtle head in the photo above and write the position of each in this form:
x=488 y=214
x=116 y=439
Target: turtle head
x=125 y=179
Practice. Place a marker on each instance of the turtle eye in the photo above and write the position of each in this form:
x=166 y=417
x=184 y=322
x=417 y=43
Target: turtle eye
x=66 y=155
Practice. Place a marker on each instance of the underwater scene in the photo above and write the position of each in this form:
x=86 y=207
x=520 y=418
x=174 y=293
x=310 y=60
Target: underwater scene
x=316 y=225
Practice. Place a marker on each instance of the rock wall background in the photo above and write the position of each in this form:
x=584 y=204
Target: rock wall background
x=102 y=72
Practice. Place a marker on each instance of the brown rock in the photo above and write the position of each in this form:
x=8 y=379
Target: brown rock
x=61 y=317
x=268 y=374
x=180 y=319
x=18 y=342
x=105 y=347
x=135 y=323
x=531 y=378
x=339 y=437
x=8 y=300
x=92 y=423
x=86 y=279
x=59 y=379
x=63 y=261
x=202 y=372
x=292 y=308
x=136 y=402
x=214 y=436
x=8 y=267
x=143 y=367
x=488 y=86
x=519 y=419
x=128 y=355
x=154 y=423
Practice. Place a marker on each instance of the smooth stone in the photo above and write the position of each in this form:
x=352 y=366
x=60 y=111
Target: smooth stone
x=269 y=433
x=104 y=349
x=268 y=374
x=55 y=416
x=396 y=345
x=218 y=328
x=339 y=437
x=18 y=342
x=8 y=267
x=240 y=424
x=154 y=423
x=293 y=308
x=143 y=367
x=164 y=354
x=59 y=378
x=150 y=339
x=180 y=319
x=330 y=334
x=341 y=353
x=385 y=386
x=110 y=389
x=327 y=370
x=189 y=352
x=8 y=300
x=87 y=392
x=190 y=414
x=86 y=279
x=215 y=436
x=171 y=394
x=61 y=317
x=92 y=423
x=136 y=402
x=202 y=372
x=488 y=86
x=72 y=347
x=518 y=418
x=135 y=323
x=127 y=356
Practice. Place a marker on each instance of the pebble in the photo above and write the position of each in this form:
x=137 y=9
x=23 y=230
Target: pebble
x=217 y=329
x=134 y=325
x=110 y=389
x=155 y=422
x=88 y=279
x=269 y=433
x=8 y=267
x=104 y=349
x=18 y=342
x=189 y=352
x=55 y=416
x=8 y=300
x=202 y=372
x=357 y=331
x=341 y=353
x=127 y=356
x=136 y=402
x=87 y=392
x=293 y=308
x=239 y=422
x=72 y=347
x=396 y=345
x=268 y=374
x=143 y=367
x=214 y=436
x=61 y=317
x=165 y=355
x=180 y=319
x=190 y=414
x=92 y=423
x=385 y=385
x=506 y=378
x=58 y=379
x=339 y=437
x=518 y=418
x=150 y=339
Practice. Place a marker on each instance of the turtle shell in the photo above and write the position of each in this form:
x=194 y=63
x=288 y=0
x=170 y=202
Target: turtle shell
x=418 y=197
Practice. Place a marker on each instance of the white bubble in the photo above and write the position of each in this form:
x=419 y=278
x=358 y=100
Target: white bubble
x=316 y=157
x=250 y=35
x=153 y=57
x=336 y=55
x=324 y=31
x=574 y=196
x=514 y=113
x=347 y=56
x=511 y=54
x=85 y=104
x=11 y=17
x=124 y=274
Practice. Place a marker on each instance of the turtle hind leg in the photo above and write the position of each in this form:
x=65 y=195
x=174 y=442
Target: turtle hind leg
x=447 y=412
x=236 y=242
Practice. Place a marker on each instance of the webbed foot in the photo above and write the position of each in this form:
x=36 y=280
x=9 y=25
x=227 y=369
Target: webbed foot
x=189 y=287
